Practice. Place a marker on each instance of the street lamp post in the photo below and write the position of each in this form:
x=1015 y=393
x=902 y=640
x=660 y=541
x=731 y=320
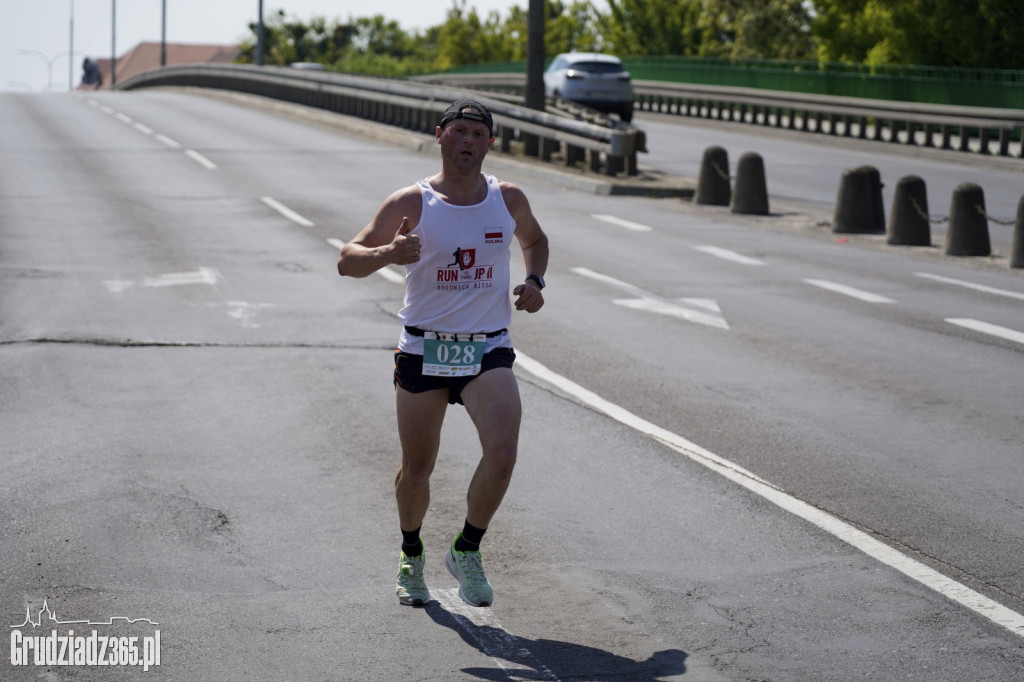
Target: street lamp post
x=71 y=50
x=163 y=34
x=259 y=36
x=49 y=65
x=113 y=42
x=49 y=62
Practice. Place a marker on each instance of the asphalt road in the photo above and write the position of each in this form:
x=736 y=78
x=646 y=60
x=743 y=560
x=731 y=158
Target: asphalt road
x=751 y=451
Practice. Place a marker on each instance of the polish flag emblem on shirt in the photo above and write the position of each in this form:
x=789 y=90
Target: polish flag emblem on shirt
x=493 y=235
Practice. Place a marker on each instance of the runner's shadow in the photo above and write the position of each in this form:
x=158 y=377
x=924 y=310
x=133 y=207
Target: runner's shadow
x=547 y=659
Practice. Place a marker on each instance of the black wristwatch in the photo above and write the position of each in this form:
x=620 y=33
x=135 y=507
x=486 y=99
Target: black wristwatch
x=538 y=279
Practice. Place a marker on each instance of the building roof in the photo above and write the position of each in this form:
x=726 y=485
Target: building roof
x=146 y=56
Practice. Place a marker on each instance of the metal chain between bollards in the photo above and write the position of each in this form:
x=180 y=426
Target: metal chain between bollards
x=997 y=221
x=921 y=212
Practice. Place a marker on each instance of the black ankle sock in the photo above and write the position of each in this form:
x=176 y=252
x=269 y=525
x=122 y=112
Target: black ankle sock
x=469 y=539
x=411 y=543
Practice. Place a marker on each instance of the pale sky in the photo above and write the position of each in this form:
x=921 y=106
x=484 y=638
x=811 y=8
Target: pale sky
x=44 y=27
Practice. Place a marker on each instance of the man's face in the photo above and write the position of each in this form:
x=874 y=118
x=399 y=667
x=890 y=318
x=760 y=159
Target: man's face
x=465 y=142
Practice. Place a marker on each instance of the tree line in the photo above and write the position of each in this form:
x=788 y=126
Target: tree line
x=943 y=33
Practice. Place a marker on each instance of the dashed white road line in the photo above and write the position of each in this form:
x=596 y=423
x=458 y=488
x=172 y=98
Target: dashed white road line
x=726 y=254
x=988 y=328
x=287 y=212
x=926 y=576
x=144 y=129
x=173 y=144
x=200 y=159
x=972 y=285
x=388 y=273
x=709 y=314
x=627 y=224
x=849 y=291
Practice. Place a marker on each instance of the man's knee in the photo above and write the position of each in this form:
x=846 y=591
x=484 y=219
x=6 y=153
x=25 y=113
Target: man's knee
x=415 y=469
x=502 y=461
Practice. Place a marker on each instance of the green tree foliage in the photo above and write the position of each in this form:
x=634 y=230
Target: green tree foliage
x=756 y=29
x=971 y=33
x=967 y=33
x=653 y=27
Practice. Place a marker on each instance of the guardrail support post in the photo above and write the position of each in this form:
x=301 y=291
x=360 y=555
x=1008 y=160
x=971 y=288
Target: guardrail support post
x=574 y=154
x=531 y=144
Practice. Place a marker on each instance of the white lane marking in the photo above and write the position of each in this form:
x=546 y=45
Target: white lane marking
x=203 y=275
x=617 y=283
x=173 y=144
x=669 y=309
x=930 y=578
x=987 y=328
x=118 y=286
x=726 y=254
x=144 y=129
x=286 y=212
x=176 y=279
x=488 y=632
x=972 y=285
x=200 y=159
x=123 y=118
x=627 y=224
x=655 y=304
x=244 y=312
x=849 y=291
x=389 y=273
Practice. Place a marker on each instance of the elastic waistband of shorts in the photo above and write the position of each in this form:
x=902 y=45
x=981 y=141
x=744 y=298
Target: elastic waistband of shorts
x=416 y=331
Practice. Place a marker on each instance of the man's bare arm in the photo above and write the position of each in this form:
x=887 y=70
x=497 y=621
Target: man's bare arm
x=386 y=239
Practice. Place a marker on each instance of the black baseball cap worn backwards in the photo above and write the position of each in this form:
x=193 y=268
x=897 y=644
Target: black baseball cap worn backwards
x=456 y=111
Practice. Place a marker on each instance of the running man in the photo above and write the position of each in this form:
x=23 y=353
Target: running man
x=455 y=346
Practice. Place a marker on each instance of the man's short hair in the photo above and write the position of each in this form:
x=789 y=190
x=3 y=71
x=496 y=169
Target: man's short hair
x=480 y=113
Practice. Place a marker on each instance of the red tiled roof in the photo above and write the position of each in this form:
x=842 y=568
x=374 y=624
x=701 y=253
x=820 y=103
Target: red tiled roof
x=145 y=56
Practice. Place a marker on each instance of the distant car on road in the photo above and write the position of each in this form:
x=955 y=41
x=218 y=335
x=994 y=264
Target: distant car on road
x=598 y=81
x=308 y=66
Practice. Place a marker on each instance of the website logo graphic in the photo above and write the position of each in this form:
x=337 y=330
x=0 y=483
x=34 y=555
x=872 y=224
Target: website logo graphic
x=65 y=648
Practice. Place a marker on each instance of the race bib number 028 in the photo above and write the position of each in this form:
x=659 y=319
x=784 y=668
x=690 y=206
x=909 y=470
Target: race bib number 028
x=452 y=355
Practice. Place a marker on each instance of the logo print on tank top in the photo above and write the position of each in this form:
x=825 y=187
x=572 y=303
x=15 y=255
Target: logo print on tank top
x=464 y=273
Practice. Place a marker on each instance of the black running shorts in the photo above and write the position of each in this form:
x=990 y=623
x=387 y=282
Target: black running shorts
x=409 y=373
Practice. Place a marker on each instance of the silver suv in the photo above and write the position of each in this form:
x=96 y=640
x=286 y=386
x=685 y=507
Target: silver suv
x=598 y=81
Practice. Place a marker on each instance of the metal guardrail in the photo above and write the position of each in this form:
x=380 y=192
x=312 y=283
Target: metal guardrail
x=973 y=129
x=414 y=106
x=959 y=128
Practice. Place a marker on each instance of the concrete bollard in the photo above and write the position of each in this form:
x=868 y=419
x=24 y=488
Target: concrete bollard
x=908 y=223
x=1017 y=250
x=713 y=184
x=968 y=224
x=859 y=203
x=751 y=195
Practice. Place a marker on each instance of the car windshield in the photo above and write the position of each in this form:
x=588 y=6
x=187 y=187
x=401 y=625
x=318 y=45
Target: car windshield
x=596 y=67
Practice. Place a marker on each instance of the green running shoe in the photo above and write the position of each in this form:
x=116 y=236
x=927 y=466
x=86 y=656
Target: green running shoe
x=411 y=588
x=469 y=571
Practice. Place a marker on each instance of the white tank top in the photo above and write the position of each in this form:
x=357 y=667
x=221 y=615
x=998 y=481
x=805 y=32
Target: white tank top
x=461 y=282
